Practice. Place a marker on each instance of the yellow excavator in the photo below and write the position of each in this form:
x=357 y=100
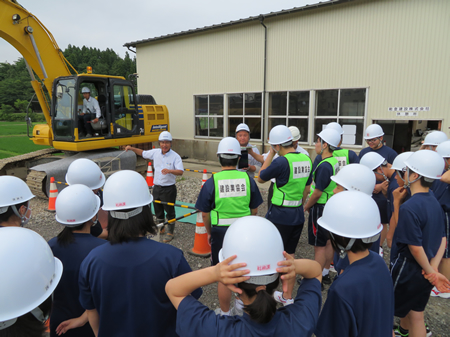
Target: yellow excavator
x=126 y=118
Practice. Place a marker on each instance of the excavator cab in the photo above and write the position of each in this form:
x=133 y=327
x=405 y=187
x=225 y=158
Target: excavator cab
x=116 y=99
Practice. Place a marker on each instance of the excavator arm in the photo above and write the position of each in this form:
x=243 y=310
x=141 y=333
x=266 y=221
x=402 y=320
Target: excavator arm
x=38 y=47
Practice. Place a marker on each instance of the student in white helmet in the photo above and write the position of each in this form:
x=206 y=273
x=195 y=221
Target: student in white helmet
x=441 y=189
x=394 y=191
x=224 y=198
x=383 y=171
x=360 y=301
x=420 y=244
x=30 y=274
x=168 y=165
x=76 y=209
x=373 y=136
x=86 y=172
x=261 y=158
x=90 y=114
x=353 y=177
x=292 y=173
x=321 y=190
x=252 y=260
x=15 y=199
x=122 y=282
x=343 y=156
x=249 y=164
x=433 y=139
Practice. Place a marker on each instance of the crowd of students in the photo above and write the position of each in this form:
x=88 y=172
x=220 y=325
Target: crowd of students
x=128 y=285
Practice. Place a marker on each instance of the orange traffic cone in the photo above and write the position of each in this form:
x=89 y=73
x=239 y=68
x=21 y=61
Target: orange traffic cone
x=201 y=246
x=204 y=178
x=52 y=195
x=150 y=175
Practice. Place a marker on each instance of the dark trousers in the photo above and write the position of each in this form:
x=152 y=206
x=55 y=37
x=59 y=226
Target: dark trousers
x=270 y=195
x=167 y=194
x=83 y=125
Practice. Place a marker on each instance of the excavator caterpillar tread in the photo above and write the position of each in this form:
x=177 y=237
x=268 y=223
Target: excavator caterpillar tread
x=26 y=156
x=36 y=182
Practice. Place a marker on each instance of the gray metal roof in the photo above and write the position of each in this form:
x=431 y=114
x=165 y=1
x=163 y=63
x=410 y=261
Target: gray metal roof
x=236 y=22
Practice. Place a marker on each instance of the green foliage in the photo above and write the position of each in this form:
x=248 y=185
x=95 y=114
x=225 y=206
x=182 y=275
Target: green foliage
x=15 y=145
x=21 y=117
x=13 y=128
x=16 y=90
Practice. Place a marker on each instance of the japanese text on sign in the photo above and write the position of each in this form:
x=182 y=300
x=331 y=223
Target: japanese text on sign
x=232 y=188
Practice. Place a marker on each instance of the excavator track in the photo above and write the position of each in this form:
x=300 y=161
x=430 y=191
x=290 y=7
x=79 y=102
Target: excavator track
x=19 y=166
x=36 y=183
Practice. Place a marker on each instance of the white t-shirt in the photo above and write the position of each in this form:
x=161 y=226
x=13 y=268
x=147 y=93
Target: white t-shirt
x=252 y=161
x=171 y=161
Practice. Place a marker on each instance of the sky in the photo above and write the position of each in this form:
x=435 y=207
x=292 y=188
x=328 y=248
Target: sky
x=111 y=23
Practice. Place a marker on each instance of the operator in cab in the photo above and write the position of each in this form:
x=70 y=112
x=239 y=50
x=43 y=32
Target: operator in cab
x=90 y=114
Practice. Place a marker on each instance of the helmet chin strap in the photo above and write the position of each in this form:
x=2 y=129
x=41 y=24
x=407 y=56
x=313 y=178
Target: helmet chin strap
x=342 y=250
x=408 y=183
x=24 y=219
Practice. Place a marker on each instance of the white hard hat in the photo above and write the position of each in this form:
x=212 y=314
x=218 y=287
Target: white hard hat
x=165 y=136
x=14 y=191
x=351 y=214
x=125 y=190
x=435 y=138
x=330 y=136
x=335 y=126
x=85 y=90
x=280 y=134
x=356 y=177
x=229 y=146
x=373 y=131
x=426 y=163
x=75 y=205
x=444 y=149
x=30 y=272
x=257 y=242
x=295 y=133
x=86 y=172
x=242 y=127
x=399 y=161
x=372 y=160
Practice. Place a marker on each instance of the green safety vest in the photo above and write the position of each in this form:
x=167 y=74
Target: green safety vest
x=232 y=197
x=291 y=194
x=342 y=156
x=327 y=193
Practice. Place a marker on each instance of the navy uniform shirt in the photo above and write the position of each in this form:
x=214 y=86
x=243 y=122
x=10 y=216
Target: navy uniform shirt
x=360 y=301
x=126 y=284
x=420 y=223
x=441 y=191
x=65 y=297
x=290 y=216
x=298 y=319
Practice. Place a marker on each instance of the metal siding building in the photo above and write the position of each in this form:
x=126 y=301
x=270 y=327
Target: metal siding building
x=354 y=61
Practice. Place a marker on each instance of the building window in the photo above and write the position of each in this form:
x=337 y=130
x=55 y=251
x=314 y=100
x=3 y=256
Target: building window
x=344 y=106
x=209 y=111
x=245 y=108
x=290 y=108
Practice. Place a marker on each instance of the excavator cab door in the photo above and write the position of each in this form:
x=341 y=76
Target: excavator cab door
x=64 y=108
x=124 y=112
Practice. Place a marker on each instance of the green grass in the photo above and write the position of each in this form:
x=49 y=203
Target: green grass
x=13 y=140
x=13 y=128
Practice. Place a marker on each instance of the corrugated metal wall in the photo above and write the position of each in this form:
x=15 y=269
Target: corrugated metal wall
x=222 y=61
x=399 y=49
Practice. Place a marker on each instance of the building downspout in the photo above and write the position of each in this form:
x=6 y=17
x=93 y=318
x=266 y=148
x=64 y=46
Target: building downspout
x=261 y=20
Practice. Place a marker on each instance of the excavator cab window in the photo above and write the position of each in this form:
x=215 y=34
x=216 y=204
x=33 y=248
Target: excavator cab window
x=124 y=111
x=63 y=114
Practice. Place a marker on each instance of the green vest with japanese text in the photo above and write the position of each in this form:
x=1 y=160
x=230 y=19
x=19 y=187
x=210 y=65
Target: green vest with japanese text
x=291 y=194
x=232 y=197
x=327 y=193
x=342 y=156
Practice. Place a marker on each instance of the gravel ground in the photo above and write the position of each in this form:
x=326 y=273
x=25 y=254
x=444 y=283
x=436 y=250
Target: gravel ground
x=437 y=313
